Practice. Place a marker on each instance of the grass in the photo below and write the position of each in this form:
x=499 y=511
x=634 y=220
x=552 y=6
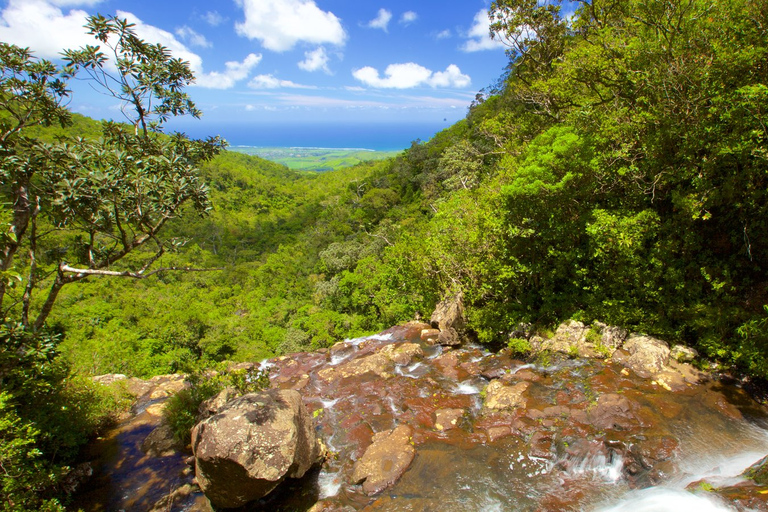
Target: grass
x=316 y=159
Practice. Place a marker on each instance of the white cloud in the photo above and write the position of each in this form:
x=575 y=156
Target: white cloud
x=235 y=72
x=451 y=77
x=280 y=24
x=381 y=21
x=479 y=36
x=408 y=17
x=272 y=82
x=43 y=27
x=213 y=18
x=192 y=37
x=445 y=34
x=72 y=3
x=410 y=75
x=315 y=60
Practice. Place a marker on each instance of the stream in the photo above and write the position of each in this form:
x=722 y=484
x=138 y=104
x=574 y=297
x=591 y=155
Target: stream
x=590 y=435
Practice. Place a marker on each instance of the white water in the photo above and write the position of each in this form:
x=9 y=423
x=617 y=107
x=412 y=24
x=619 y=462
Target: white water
x=468 y=387
x=329 y=484
x=719 y=460
x=661 y=499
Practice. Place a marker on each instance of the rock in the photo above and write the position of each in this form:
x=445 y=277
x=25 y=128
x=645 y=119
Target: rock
x=377 y=364
x=341 y=349
x=167 y=385
x=758 y=472
x=499 y=396
x=156 y=410
x=403 y=353
x=161 y=442
x=569 y=336
x=429 y=336
x=254 y=442
x=109 y=378
x=496 y=433
x=211 y=406
x=449 y=318
x=647 y=355
x=612 y=411
x=447 y=419
x=449 y=337
x=683 y=354
x=385 y=460
x=611 y=337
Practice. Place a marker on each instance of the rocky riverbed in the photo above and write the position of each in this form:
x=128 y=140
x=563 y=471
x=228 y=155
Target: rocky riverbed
x=414 y=426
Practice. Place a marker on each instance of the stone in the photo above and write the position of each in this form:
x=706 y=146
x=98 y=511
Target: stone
x=385 y=460
x=496 y=433
x=429 y=336
x=569 y=334
x=647 y=355
x=449 y=318
x=611 y=337
x=161 y=442
x=449 y=313
x=612 y=411
x=499 y=396
x=377 y=364
x=683 y=354
x=758 y=472
x=167 y=385
x=109 y=378
x=403 y=353
x=251 y=445
x=447 y=419
x=211 y=406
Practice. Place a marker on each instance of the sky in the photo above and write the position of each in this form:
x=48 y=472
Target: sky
x=291 y=62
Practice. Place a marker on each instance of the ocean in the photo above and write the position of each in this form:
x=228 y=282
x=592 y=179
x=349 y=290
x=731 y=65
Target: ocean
x=378 y=137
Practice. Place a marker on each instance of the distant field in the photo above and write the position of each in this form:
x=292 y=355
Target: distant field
x=315 y=159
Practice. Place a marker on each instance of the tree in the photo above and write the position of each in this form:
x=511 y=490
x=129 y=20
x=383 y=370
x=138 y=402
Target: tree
x=76 y=208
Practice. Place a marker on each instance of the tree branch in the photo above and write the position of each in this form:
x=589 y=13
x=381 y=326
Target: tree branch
x=84 y=272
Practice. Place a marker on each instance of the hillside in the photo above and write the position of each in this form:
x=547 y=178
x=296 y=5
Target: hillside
x=562 y=195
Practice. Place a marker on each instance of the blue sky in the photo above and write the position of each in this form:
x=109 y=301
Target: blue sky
x=262 y=62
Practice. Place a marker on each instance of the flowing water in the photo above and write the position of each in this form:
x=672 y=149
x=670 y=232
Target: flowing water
x=590 y=436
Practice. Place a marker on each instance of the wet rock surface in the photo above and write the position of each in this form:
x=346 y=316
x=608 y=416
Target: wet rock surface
x=385 y=460
x=576 y=434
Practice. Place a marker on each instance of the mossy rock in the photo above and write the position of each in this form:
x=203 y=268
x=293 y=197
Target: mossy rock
x=758 y=471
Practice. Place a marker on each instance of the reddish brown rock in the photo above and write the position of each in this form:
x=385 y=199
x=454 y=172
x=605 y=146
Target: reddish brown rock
x=385 y=460
x=447 y=419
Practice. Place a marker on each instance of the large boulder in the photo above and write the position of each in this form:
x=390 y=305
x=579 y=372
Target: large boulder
x=251 y=444
x=577 y=339
x=449 y=318
x=647 y=356
x=385 y=460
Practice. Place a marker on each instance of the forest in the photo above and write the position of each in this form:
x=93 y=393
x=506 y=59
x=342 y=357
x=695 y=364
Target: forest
x=617 y=171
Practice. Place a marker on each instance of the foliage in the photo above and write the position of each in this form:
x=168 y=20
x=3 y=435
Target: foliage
x=181 y=411
x=519 y=347
x=73 y=208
